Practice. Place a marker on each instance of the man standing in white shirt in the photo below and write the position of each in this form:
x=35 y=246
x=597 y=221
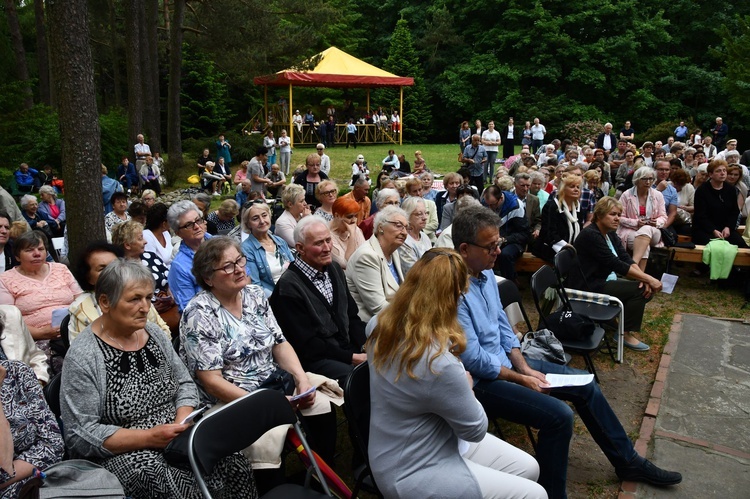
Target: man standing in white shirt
x=325 y=160
x=537 y=135
x=141 y=151
x=491 y=141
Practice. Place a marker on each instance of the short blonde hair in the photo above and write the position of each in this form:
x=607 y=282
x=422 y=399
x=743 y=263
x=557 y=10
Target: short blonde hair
x=246 y=215
x=323 y=185
x=604 y=206
x=229 y=208
x=291 y=194
x=126 y=232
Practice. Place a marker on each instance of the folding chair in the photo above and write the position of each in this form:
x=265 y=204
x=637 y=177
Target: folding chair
x=236 y=426
x=599 y=307
x=52 y=394
x=357 y=410
x=545 y=279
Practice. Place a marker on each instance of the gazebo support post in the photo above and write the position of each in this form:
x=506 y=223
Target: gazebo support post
x=368 y=100
x=401 y=117
x=265 y=101
x=291 y=118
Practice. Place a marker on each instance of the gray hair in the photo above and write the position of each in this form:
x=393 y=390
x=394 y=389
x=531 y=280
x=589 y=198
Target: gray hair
x=300 y=230
x=208 y=255
x=47 y=189
x=361 y=180
x=410 y=204
x=202 y=197
x=246 y=215
x=537 y=176
x=690 y=150
x=383 y=195
x=522 y=176
x=734 y=153
x=177 y=210
x=26 y=199
x=642 y=172
x=468 y=223
x=117 y=275
x=427 y=175
x=465 y=202
x=383 y=215
x=291 y=194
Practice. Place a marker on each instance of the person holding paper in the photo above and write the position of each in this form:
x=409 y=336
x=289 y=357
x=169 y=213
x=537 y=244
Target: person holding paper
x=38 y=287
x=428 y=433
x=233 y=345
x=514 y=388
x=603 y=259
x=125 y=391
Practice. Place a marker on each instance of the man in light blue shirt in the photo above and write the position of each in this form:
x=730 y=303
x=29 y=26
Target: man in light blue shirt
x=515 y=388
x=671 y=198
x=351 y=134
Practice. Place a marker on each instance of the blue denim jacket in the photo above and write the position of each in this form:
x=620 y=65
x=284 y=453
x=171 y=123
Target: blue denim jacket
x=489 y=335
x=257 y=265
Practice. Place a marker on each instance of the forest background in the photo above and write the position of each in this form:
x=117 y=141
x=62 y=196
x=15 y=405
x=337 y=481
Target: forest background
x=181 y=71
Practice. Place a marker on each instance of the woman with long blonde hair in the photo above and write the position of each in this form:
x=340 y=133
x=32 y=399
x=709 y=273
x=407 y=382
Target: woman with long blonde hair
x=428 y=433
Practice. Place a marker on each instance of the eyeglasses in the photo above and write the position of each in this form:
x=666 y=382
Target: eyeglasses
x=491 y=248
x=230 y=267
x=328 y=193
x=191 y=225
x=400 y=226
x=647 y=179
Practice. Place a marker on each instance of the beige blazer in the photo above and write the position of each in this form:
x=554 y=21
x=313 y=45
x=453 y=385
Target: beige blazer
x=369 y=278
x=18 y=344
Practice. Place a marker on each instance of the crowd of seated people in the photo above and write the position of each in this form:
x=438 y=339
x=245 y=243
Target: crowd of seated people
x=268 y=300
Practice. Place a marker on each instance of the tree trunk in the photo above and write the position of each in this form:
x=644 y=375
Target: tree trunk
x=41 y=52
x=22 y=70
x=174 y=133
x=133 y=60
x=166 y=15
x=152 y=115
x=73 y=78
x=114 y=36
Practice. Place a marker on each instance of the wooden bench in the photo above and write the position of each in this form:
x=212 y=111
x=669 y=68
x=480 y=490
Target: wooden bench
x=529 y=263
x=696 y=256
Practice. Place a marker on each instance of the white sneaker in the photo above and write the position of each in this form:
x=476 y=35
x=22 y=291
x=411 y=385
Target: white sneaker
x=217 y=194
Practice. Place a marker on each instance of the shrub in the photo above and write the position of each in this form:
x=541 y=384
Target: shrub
x=583 y=131
x=662 y=131
x=114 y=134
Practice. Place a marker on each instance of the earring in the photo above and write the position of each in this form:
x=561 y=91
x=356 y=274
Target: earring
x=382 y=231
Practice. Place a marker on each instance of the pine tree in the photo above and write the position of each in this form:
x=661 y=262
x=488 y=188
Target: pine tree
x=403 y=61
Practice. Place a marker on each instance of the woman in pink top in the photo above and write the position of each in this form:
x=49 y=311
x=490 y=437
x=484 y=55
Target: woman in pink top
x=241 y=173
x=38 y=287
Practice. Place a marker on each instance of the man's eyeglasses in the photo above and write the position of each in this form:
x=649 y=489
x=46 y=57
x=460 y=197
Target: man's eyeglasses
x=492 y=248
x=230 y=267
x=191 y=225
x=398 y=225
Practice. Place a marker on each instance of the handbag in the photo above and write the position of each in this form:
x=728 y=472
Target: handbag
x=543 y=345
x=668 y=236
x=570 y=326
x=78 y=478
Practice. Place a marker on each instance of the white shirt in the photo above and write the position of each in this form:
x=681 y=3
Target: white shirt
x=537 y=132
x=492 y=136
x=154 y=246
x=510 y=132
x=142 y=150
x=607 y=143
x=325 y=163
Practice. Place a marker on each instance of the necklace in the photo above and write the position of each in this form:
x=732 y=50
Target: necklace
x=137 y=339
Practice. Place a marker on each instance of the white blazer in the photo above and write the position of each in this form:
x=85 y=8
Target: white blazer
x=369 y=278
x=18 y=344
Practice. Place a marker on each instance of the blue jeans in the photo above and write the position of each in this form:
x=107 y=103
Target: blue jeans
x=490 y=168
x=554 y=419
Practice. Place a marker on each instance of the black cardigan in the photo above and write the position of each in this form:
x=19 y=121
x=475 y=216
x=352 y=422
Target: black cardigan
x=714 y=210
x=554 y=229
x=597 y=260
x=315 y=329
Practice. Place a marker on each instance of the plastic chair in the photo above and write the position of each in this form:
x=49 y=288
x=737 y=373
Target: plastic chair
x=236 y=426
x=545 y=279
x=599 y=307
x=357 y=410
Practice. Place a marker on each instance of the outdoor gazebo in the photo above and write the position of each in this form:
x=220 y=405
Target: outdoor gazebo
x=336 y=69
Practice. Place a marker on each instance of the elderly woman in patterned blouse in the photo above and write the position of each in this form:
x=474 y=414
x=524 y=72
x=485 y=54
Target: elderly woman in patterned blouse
x=125 y=393
x=233 y=344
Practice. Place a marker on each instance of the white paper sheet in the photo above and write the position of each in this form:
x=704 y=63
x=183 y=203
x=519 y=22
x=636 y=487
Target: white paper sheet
x=559 y=380
x=668 y=282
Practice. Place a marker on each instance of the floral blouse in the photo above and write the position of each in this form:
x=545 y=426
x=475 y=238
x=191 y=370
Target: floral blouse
x=36 y=435
x=212 y=339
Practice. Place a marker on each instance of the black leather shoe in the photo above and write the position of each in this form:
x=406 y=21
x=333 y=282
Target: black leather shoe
x=648 y=472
